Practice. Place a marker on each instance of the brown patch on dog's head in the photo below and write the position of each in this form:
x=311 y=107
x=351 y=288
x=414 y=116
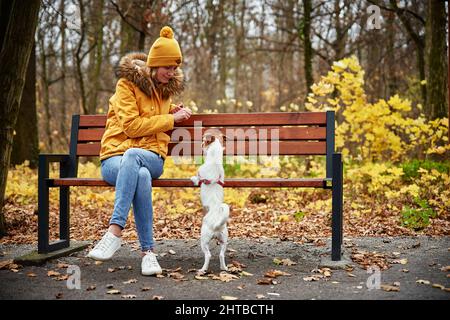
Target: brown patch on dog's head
x=209 y=138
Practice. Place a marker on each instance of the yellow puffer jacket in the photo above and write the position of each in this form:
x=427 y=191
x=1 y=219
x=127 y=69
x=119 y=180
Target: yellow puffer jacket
x=138 y=115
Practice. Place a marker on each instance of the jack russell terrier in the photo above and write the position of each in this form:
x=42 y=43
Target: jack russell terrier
x=210 y=177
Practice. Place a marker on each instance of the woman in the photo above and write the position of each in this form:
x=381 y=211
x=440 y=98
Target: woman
x=134 y=145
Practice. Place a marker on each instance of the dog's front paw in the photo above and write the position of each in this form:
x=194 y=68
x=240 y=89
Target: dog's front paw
x=195 y=180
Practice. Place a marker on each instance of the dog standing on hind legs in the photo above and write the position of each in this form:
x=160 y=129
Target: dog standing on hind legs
x=210 y=177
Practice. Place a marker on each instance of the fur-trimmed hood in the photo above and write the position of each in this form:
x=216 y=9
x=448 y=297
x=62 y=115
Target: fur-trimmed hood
x=133 y=67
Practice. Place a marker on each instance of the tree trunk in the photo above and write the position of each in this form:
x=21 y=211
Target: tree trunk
x=25 y=145
x=63 y=101
x=307 y=50
x=96 y=56
x=436 y=57
x=21 y=21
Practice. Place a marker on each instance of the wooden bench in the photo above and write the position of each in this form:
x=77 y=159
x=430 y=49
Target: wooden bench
x=301 y=133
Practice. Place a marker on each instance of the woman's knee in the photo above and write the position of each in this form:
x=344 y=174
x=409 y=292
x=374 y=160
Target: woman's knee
x=145 y=177
x=130 y=155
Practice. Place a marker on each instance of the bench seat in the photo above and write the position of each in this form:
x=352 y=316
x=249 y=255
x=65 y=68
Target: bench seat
x=229 y=183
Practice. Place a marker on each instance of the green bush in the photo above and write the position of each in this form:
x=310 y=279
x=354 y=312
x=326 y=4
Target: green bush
x=411 y=168
x=419 y=218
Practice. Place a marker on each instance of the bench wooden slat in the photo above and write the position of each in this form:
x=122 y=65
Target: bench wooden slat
x=285 y=133
x=231 y=183
x=245 y=148
x=233 y=119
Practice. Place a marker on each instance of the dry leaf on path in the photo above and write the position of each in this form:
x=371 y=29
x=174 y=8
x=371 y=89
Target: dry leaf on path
x=129 y=296
x=265 y=281
x=157 y=297
x=113 y=291
x=130 y=281
x=389 y=288
x=423 y=281
x=437 y=285
x=53 y=273
x=276 y=273
x=229 y=298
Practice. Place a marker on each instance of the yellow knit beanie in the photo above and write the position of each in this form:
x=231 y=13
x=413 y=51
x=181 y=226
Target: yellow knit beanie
x=165 y=51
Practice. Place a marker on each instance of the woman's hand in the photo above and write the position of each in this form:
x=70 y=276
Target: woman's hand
x=176 y=109
x=182 y=115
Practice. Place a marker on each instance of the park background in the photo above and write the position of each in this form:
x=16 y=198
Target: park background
x=387 y=83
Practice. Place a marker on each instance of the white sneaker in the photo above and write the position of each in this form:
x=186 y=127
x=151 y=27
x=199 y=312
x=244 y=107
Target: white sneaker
x=150 y=265
x=106 y=247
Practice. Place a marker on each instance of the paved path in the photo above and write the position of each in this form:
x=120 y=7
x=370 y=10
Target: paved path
x=425 y=258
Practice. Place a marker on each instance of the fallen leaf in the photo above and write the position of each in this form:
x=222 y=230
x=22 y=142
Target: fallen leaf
x=400 y=261
x=238 y=264
x=62 y=277
x=246 y=274
x=445 y=269
x=176 y=276
x=405 y=270
x=351 y=275
x=273 y=294
x=162 y=255
x=396 y=283
x=157 y=297
x=229 y=298
x=31 y=274
x=172 y=252
x=62 y=265
x=264 y=281
x=111 y=269
x=423 y=281
x=225 y=277
x=260 y=296
x=145 y=288
x=277 y=261
x=276 y=273
x=129 y=296
x=201 y=277
x=160 y=276
x=388 y=288
x=313 y=277
x=5 y=264
x=97 y=263
x=130 y=281
x=288 y=262
x=90 y=288
x=437 y=285
x=241 y=287
x=109 y=286
x=113 y=291
x=52 y=273
x=59 y=295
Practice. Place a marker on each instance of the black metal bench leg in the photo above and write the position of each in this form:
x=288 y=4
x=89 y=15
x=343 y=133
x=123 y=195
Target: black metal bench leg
x=44 y=245
x=43 y=206
x=337 y=203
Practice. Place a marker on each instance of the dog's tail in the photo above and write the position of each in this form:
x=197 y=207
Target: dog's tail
x=224 y=216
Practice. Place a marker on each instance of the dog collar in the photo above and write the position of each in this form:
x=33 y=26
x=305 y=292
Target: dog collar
x=209 y=182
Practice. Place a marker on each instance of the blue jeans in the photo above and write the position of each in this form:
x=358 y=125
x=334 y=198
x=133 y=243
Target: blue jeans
x=132 y=174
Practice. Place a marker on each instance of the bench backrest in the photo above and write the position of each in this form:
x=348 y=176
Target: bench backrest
x=293 y=133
